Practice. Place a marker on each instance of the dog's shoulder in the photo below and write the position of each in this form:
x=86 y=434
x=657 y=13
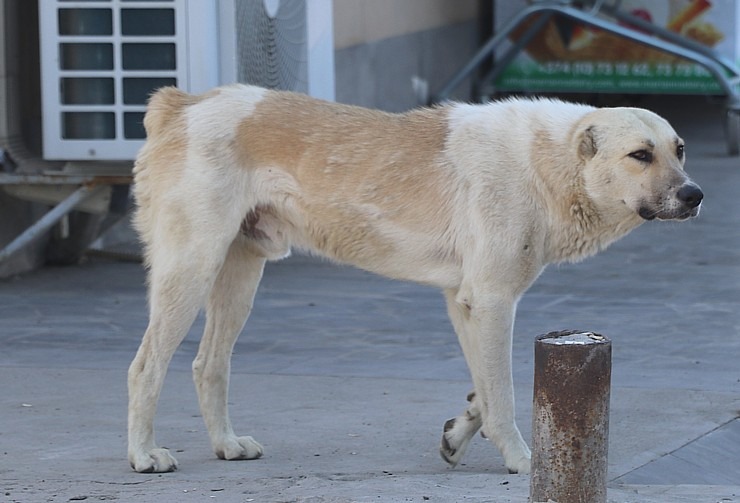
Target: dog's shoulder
x=537 y=110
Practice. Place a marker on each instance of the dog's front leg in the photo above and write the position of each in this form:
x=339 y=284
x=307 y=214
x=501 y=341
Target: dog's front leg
x=484 y=324
x=493 y=326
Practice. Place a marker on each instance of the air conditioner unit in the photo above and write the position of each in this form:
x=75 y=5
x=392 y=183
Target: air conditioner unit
x=101 y=59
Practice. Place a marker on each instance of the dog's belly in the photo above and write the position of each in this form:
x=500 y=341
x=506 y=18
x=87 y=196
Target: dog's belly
x=384 y=239
x=410 y=260
x=356 y=235
x=414 y=257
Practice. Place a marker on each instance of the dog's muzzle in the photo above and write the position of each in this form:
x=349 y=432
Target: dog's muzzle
x=686 y=204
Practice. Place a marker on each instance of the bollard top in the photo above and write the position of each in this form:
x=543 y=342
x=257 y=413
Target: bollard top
x=572 y=337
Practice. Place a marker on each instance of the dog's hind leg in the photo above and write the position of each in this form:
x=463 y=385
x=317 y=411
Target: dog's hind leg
x=174 y=302
x=227 y=310
x=182 y=272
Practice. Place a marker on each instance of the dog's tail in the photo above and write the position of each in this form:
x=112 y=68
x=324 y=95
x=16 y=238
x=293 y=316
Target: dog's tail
x=154 y=163
x=164 y=106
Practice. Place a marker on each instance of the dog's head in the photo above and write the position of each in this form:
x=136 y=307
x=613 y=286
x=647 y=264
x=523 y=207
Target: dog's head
x=634 y=161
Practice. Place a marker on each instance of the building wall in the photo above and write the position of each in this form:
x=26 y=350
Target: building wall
x=361 y=21
x=388 y=51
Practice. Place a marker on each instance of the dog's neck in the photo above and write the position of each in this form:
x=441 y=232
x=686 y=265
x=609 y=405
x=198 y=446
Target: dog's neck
x=586 y=231
x=576 y=227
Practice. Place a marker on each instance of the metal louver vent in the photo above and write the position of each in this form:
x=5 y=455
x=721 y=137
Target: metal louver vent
x=272 y=43
x=101 y=60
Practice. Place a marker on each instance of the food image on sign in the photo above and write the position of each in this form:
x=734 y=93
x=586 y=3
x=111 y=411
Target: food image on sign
x=567 y=55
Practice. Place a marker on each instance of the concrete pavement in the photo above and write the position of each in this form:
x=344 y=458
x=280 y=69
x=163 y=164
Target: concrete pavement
x=347 y=378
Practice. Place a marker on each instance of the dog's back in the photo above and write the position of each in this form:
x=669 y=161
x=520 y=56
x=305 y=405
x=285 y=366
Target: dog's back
x=298 y=172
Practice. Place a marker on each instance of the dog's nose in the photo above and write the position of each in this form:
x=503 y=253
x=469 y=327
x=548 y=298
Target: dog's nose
x=691 y=195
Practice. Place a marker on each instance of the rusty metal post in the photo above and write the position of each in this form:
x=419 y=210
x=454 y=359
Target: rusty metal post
x=570 y=425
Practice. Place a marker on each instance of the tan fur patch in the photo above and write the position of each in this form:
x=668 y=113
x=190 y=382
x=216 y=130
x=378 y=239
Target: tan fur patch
x=353 y=165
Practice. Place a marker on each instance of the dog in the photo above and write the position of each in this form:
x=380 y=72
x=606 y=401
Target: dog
x=473 y=199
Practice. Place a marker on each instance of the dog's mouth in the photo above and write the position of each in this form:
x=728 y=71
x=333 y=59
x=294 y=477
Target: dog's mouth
x=684 y=204
x=680 y=213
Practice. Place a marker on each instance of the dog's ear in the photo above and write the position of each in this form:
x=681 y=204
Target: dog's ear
x=587 y=144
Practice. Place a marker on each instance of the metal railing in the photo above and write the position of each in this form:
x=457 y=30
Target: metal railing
x=724 y=71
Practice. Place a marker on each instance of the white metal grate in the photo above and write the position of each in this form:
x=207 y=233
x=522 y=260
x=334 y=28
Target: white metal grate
x=100 y=60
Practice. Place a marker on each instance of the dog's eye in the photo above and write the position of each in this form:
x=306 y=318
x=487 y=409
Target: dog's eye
x=642 y=156
x=679 y=151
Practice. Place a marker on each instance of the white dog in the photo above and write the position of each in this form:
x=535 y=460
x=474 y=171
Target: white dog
x=474 y=199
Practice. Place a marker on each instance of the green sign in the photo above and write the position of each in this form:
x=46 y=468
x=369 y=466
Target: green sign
x=616 y=77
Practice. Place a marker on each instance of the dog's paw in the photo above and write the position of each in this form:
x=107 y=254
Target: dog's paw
x=153 y=461
x=239 y=448
x=455 y=440
x=522 y=466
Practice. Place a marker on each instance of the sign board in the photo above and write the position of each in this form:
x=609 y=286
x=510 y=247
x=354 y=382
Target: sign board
x=566 y=56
